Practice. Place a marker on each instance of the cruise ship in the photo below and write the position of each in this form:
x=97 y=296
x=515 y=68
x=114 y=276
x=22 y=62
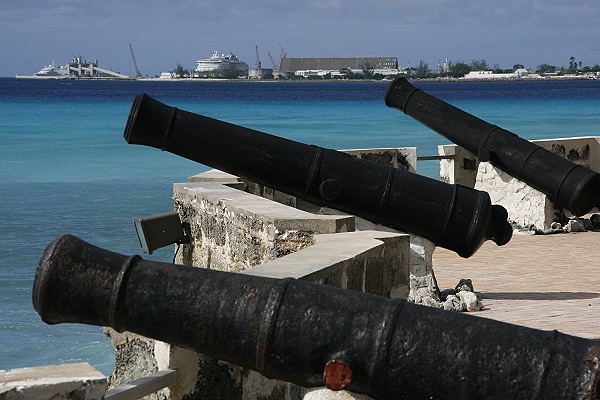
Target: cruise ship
x=217 y=62
x=53 y=71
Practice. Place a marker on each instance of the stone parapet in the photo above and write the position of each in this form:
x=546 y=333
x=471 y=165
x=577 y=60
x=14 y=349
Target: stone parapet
x=527 y=207
x=367 y=261
x=66 y=381
x=240 y=226
x=232 y=230
x=459 y=165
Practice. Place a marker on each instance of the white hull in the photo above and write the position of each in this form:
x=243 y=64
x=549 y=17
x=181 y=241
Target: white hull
x=220 y=62
x=52 y=71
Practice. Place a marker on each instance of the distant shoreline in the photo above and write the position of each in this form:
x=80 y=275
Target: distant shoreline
x=546 y=78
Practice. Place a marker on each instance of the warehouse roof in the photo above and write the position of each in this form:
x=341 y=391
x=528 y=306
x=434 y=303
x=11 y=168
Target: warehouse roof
x=333 y=64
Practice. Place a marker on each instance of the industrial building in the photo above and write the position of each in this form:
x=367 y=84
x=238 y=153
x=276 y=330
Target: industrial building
x=322 y=66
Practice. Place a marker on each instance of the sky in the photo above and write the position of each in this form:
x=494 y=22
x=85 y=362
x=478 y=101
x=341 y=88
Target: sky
x=34 y=33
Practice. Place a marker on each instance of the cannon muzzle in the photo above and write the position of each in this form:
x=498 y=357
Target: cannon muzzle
x=451 y=216
x=571 y=186
x=311 y=334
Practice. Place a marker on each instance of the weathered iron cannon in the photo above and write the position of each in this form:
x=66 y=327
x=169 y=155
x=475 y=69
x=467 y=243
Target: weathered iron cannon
x=451 y=216
x=571 y=186
x=311 y=334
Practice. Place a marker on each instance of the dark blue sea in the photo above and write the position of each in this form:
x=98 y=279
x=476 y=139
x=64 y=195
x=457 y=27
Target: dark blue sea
x=65 y=167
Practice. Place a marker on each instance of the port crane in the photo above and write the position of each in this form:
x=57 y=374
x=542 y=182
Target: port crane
x=137 y=71
x=283 y=53
x=275 y=67
x=258 y=65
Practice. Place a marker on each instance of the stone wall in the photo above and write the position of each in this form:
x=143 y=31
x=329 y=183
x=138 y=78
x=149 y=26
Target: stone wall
x=526 y=206
x=262 y=237
x=242 y=227
x=231 y=230
x=236 y=231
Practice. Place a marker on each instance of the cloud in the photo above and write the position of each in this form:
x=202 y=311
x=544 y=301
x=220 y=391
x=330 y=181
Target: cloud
x=52 y=13
x=164 y=32
x=561 y=9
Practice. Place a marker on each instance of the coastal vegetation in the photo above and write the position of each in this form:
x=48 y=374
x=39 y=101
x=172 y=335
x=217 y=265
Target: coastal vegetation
x=230 y=72
x=450 y=70
x=460 y=69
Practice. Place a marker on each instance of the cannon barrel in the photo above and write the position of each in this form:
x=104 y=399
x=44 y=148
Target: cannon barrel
x=451 y=216
x=313 y=335
x=571 y=186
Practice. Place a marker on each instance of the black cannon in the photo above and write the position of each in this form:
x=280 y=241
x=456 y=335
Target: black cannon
x=571 y=186
x=451 y=216
x=313 y=335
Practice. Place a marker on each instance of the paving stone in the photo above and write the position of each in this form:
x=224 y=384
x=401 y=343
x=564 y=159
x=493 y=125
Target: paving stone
x=549 y=282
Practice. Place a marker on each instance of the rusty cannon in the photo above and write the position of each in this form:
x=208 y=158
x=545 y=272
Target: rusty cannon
x=569 y=185
x=451 y=216
x=313 y=335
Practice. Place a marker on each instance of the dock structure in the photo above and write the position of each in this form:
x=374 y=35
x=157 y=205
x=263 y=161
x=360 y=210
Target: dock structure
x=81 y=68
x=78 y=68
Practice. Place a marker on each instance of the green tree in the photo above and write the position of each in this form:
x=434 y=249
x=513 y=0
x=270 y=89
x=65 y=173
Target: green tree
x=368 y=72
x=518 y=66
x=231 y=72
x=545 y=69
x=347 y=72
x=459 y=69
x=479 y=65
x=572 y=66
x=180 y=72
x=422 y=70
x=595 y=68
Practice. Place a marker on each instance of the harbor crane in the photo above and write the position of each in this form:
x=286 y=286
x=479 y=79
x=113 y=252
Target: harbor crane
x=137 y=71
x=258 y=65
x=275 y=67
x=283 y=53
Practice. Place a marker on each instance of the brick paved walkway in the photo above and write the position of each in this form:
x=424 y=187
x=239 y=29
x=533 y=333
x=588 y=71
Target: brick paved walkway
x=543 y=282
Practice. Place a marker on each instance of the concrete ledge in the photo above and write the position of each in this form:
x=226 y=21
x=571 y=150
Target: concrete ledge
x=214 y=175
x=67 y=381
x=368 y=261
x=282 y=216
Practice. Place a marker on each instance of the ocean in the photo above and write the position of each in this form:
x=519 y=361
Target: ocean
x=65 y=167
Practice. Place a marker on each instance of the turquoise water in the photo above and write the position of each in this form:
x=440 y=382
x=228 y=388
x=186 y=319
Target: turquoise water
x=65 y=167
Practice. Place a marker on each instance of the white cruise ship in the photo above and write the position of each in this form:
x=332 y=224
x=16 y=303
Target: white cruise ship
x=53 y=71
x=223 y=61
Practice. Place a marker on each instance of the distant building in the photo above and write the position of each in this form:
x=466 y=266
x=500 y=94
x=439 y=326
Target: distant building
x=260 y=73
x=520 y=73
x=323 y=66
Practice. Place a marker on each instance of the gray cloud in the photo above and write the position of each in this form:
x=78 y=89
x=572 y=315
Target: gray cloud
x=164 y=32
